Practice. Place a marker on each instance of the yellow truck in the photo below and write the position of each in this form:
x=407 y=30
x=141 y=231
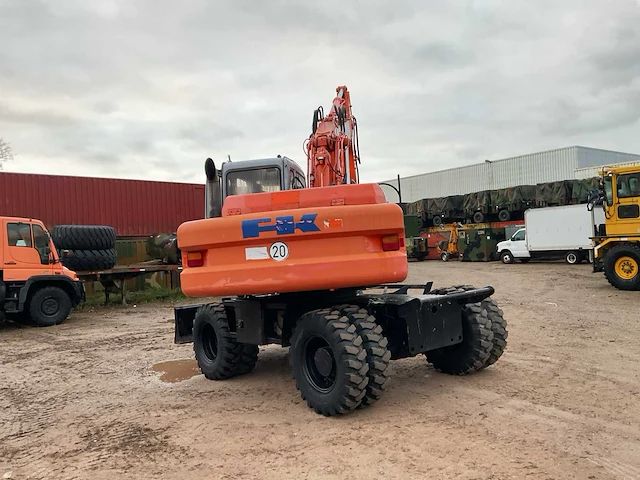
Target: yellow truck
x=617 y=242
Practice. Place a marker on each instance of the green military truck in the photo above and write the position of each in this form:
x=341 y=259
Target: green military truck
x=416 y=245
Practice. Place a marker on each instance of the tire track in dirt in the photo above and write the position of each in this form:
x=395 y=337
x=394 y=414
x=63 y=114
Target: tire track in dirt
x=82 y=401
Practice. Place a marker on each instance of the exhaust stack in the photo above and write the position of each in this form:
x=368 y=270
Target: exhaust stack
x=212 y=190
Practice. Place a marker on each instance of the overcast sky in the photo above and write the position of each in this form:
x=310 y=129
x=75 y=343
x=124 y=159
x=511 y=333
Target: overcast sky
x=148 y=89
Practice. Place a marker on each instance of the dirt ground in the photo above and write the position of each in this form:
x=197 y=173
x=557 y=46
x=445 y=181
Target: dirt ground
x=83 y=400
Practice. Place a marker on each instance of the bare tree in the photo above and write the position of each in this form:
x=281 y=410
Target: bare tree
x=6 y=153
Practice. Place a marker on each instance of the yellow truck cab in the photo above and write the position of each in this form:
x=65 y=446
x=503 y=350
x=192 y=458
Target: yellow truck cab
x=617 y=244
x=34 y=284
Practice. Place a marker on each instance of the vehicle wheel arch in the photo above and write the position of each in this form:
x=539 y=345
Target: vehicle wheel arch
x=506 y=252
x=36 y=283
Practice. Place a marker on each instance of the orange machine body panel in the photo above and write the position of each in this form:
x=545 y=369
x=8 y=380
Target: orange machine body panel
x=21 y=243
x=295 y=240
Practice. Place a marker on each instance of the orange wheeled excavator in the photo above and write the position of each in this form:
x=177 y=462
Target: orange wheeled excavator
x=313 y=263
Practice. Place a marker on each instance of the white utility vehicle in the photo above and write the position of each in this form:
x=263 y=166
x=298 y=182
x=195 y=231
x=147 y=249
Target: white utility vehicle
x=552 y=233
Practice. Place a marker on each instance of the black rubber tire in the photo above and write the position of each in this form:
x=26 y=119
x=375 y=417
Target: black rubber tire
x=499 y=329
x=375 y=344
x=610 y=259
x=473 y=353
x=444 y=256
x=49 y=306
x=498 y=323
x=84 y=237
x=349 y=372
x=437 y=221
x=507 y=257
x=572 y=258
x=504 y=215
x=248 y=359
x=217 y=352
x=478 y=217
x=86 y=260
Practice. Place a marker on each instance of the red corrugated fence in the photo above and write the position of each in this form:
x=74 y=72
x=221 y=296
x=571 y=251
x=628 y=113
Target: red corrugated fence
x=132 y=207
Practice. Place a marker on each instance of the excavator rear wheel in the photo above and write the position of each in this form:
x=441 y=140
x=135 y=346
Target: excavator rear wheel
x=248 y=359
x=375 y=344
x=329 y=362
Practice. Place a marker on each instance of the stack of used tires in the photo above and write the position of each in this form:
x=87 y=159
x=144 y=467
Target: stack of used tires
x=91 y=247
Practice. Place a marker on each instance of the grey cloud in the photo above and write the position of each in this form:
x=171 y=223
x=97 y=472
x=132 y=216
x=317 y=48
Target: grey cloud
x=150 y=88
x=43 y=117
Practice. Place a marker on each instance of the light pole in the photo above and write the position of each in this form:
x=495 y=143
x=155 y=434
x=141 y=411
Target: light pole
x=398 y=190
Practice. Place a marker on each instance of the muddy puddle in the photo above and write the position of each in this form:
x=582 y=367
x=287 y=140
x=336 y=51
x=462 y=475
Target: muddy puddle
x=177 y=370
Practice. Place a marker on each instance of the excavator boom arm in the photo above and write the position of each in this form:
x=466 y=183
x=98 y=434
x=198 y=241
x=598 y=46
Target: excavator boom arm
x=332 y=148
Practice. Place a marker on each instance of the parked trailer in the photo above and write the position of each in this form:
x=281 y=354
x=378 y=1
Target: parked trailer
x=114 y=280
x=553 y=232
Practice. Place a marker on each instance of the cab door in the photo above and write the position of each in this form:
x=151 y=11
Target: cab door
x=24 y=251
x=626 y=209
x=518 y=244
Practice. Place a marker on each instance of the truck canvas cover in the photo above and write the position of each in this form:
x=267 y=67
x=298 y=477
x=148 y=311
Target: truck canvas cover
x=518 y=198
x=448 y=206
x=553 y=193
x=477 y=201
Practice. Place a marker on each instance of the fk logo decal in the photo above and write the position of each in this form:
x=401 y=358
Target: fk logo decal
x=283 y=225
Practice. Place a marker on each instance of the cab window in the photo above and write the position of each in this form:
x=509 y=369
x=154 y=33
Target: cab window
x=628 y=185
x=518 y=236
x=41 y=242
x=608 y=190
x=298 y=181
x=258 y=180
x=19 y=235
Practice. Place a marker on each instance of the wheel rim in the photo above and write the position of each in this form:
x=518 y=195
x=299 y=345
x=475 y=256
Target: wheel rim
x=572 y=258
x=209 y=342
x=50 y=306
x=507 y=258
x=444 y=257
x=626 y=267
x=319 y=364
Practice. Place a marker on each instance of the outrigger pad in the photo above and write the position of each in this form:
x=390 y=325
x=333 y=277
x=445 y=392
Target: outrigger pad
x=184 y=317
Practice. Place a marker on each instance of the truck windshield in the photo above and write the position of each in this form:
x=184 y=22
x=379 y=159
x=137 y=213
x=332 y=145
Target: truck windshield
x=258 y=180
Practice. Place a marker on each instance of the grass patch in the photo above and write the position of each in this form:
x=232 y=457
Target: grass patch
x=149 y=295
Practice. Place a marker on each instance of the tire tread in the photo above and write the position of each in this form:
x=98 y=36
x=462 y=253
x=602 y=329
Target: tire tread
x=378 y=355
x=350 y=352
x=229 y=350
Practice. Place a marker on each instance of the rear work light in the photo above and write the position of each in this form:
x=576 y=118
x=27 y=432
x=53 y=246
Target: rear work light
x=194 y=259
x=392 y=242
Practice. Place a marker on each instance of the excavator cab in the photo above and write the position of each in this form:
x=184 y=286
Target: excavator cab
x=248 y=177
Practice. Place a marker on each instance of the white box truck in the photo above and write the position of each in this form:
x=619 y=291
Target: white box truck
x=553 y=233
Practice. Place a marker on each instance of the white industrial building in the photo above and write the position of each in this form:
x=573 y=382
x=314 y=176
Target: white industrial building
x=548 y=166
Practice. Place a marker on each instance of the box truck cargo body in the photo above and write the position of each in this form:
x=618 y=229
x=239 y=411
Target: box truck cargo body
x=553 y=232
